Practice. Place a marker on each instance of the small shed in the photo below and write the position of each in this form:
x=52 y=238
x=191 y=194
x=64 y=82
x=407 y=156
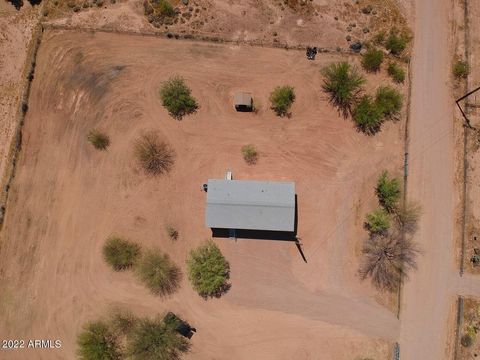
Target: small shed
x=243 y=101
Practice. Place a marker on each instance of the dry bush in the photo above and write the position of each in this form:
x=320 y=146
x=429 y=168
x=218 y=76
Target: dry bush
x=154 y=155
x=171 y=232
x=250 y=154
x=98 y=139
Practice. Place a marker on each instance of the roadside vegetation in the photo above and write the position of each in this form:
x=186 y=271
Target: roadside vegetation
x=250 y=154
x=372 y=59
x=122 y=335
x=177 y=97
x=396 y=73
x=208 y=270
x=281 y=99
x=159 y=12
x=461 y=69
x=120 y=254
x=98 y=139
x=389 y=253
x=153 y=155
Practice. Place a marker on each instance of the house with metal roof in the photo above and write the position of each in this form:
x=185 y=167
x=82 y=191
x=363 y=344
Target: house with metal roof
x=243 y=101
x=251 y=205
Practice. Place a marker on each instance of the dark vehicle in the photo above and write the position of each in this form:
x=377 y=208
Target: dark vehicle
x=180 y=326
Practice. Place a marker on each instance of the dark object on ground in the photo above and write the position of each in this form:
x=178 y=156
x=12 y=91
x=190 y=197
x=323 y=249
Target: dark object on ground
x=205 y=187
x=311 y=52
x=356 y=46
x=180 y=326
x=475 y=260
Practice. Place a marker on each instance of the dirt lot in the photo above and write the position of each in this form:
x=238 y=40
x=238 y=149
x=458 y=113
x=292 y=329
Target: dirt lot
x=67 y=198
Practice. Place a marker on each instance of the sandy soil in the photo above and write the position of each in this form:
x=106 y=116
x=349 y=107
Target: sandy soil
x=67 y=198
x=16 y=28
x=321 y=23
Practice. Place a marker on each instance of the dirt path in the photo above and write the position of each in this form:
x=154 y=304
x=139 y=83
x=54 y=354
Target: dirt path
x=427 y=297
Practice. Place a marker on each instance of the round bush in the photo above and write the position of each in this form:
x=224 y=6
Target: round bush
x=396 y=73
x=96 y=342
x=157 y=272
x=396 y=43
x=388 y=100
x=372 y=60
x=282 y=99
x=208 y=270
x=388 y=191
x=120 y=254
x=461 y=69
x=378 y=221
x=153 y=155
x=368 y=116
x=176 y=97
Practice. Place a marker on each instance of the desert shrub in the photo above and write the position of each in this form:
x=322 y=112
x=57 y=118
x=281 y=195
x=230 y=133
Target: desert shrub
x=386 y=258
x=388 y=191
x=250 y=154
x=176 y=97
x=164 y=7
x=466 y=340
x=208 y=270
x=367 y=116
x=122 y=321
x=282 y=98
x=396 y=43
x=98 y=139
x=389 y=101
x=396 y=72
x=97 y=342
x=157 y=272
x=155 y=340
x=120 y=254
x=343 y=83
x=461 y=69
x=153 y=155
x=172 y=233
x=408 y=217
x=379 y=38
x=378 y=221
x=372 y=59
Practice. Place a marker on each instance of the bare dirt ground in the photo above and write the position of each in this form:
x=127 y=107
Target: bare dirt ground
x=67 y=198
x=16 y=28
x=321 y=23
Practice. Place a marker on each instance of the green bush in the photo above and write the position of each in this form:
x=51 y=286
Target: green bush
x=389 y=101
x=164 y=8
x=97 y=342
x=388 y=191
x=120 y=254
x=98 y=139
x=122 y=321
x=208 y=270
x=396 y=73
x=176 y=97
x=368 y=116
x=372 y=59
x=250 y=154
x=282 y=99
x=378 y=221
x=153 y=155
x=461 y=69
x=343 y=83
x=396 y=43
x=157 y=272
x=155 y=340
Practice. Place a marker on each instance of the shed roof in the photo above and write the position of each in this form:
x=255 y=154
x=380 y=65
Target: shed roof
x=251 y=205
x=243 y=98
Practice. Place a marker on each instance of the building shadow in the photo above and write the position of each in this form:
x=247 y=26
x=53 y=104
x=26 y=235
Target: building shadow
x=244 y=234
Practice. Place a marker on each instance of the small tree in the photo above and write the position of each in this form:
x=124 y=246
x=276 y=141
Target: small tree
x=208 y=270
x=97 y=342
x=378 y=221
x=155 y=340
x=461 y=69
x=386 y=258
x=282 y=99
x=98 y=139
x=343 y=83
x=176 y=97
x=372 y=59
x=396 y=43
x=388 y=191
x=396 y=73
x=153 y=155
x=158 y=272
x=250 y=154
x=120 y=254
x=368 y=116
x=389 y=101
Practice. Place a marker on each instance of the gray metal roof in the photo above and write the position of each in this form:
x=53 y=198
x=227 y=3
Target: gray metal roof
x=243 y=98
x=250 y=205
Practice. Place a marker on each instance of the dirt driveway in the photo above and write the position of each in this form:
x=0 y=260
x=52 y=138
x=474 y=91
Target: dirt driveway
x=67 y=198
